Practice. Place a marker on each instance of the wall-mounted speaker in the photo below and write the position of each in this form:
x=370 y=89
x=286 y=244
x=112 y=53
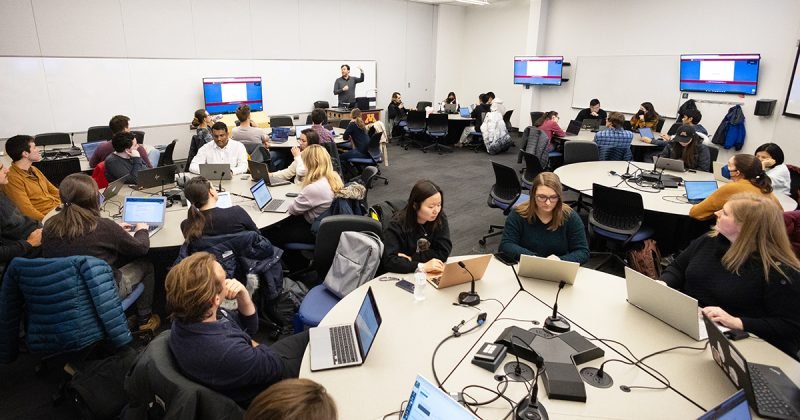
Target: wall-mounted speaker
x=765 y=107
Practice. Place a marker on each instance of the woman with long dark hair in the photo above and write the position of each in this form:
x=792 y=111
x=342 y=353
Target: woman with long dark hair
x=748 y=176
x=204 y=218
x=688 y=147
x=771 y=157
x=646 y=117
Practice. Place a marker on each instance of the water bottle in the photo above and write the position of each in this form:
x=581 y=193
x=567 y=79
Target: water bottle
x=420 y=283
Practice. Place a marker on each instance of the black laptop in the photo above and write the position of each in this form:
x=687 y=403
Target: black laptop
x=156 y=177
x=259 y=171
x=768 y=390
x=573 y=128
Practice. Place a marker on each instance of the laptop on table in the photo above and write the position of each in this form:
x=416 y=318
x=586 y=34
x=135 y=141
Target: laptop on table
x=669 y=164
x=216 y=171
x=454 y=275
x=547 y=269
x=264 y=200
x=697 y=191
x=464 y=112
x=113 y=188
x=429 y=402
x=259 y=171
x=451 y=108
x=149 y=210
x=347 y=344
x=591 y=124
x=768 y=389
x=224 y=200
x=733 y=408
x=89 y=148
x=646 y=132
x=280 y=134
x=573 y=128
x=156 y=177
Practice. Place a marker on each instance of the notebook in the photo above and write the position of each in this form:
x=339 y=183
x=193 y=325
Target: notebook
x=224 y=200
x=733 y=408
x=454 y=275
x=674 y=308
x=428 y=402
x=89 y=148
x=347 y=344
x=216 y=171
x=156 y=177
x=547 y=269
x=697 y=191
x=148 y=210
x=264 y=199
x=260 y=171
x=767 y=388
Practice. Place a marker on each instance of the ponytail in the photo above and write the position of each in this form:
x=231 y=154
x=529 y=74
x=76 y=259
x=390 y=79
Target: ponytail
x=196 y=191
x=763 y=182
x=356 y=115
x=196 y=222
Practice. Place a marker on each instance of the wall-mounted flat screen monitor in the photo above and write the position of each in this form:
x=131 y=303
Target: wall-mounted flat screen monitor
x=720 y=73
x=792 y=106
x=538 y=70
x=224 y=94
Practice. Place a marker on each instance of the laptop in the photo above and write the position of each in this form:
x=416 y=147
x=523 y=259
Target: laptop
x=547 y=269
x=669 y=164
x=734 y=407
x=347 y=344
x=89 y=148
x=454 y=275
x=646 y=132
x=280 y=134
x=674 y=308
x=150 y=210
x=717 y=167
x=591 y=124
x=113 y=188
x=464 y=112
x=259 y=171
x=224 y=200
x=429 y=402
x=451 y=108
x=767 y=388
x=573 y=128
x=298 y=129
x=156 y=177
x=264 y=199
x=697 y=191
x=216 y=171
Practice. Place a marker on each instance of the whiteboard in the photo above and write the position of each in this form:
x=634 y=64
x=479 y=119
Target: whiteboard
x=45 y=94
x=622 y=83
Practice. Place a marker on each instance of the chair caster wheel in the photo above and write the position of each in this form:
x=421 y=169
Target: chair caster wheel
x=386 y=182
x=482 y=242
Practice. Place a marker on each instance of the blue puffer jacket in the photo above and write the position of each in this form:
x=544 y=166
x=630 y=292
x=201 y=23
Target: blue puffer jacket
x=70 y=303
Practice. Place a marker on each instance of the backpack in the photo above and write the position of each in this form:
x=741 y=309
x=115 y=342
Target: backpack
x=384 y=212
x=646 y=259
x=97 y=389
x=278 y=314
x=355 y=263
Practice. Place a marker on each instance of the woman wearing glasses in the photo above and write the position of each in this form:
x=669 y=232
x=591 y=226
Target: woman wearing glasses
x=544 y=226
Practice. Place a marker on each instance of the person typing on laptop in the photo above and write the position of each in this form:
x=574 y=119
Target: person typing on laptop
x=204 y=218
x=297 y=169
x=744 y=273
x=548 y=123
x=593 y=112
x=214 y=347
x=78 y=229
x=125 y=162
x=221 y=150
x=544 y=226
x=688 y=147
x=419 y=233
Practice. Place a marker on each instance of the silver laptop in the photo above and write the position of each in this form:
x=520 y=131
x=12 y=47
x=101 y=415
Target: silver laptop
x=717 y=166
x=150 y=210
x=547 y=269
x=113 y=188
x=669 y=164
x=264 y=199
x=672 y=307
x=429 y=402
x=451 y=108
x=347 y=344
x=224 y=200
x=216 y=171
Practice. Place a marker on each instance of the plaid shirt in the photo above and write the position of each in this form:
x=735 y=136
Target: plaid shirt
x=613 y=137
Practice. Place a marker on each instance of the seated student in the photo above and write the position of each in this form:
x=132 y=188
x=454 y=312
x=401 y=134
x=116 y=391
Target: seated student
x=419 y=233
x=20 y=236
x=246 y=131
x=478 y=112
x=744 y=273
x=317 y=118
x=747 y=175
x=319 y=187
x=221 y=150
x=297 y=170
x=593 y=112
x=691 y=118
x=397 y=114
x=78 y=229
x=27 y=186
x=544 y=226
x=201 y=122
x=204 y=218
x=298 y=399
x=688 y=147
x=495 y=103
x=125 y=162
x=615 y=142
x=771 y=157
x=356 y=132
x=118 y=124
x=646 y=117
x=548 y=123
x=451 y=100
x=214 y=347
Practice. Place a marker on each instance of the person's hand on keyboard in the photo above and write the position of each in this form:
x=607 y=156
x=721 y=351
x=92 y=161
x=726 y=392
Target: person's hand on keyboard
x=141 y=226
x=718 y=315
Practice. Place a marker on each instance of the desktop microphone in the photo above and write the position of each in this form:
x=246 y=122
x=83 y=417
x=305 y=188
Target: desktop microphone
x=468 y=298
x=219 y=188
x=529 y=408
x=555 y=322
x=627 y=174
x=517 y=371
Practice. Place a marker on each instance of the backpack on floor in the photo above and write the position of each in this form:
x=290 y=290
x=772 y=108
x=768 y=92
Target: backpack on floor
x=646 y=259
x=355 y=263
x=277 y=314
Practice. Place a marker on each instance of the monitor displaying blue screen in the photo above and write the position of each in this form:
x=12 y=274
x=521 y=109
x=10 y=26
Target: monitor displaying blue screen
x=224 y=94
x=720 y=73
x=538 y=70
x=428 y=402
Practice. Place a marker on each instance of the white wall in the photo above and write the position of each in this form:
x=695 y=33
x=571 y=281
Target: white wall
x=449 y=34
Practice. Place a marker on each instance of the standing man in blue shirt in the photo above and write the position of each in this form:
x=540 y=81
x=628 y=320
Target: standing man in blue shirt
x=345 y=86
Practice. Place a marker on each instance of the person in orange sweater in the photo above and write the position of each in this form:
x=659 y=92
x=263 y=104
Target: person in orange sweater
x=27 y=187
x=747 y=175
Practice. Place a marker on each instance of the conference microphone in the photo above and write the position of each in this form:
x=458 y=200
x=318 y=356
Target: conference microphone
x=555 y=322
x=529 y=408
x=627 y=174
x=468 y=298
x=219 y=188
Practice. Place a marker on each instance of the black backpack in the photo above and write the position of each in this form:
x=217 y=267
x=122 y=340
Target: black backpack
x=385 y=211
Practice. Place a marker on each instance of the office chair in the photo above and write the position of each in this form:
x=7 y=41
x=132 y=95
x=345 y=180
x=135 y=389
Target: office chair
x=713 y=152
x=374 y=159
x=615 y=153
x=321 y=104
x=319 y=300
x=139 y=134
x=280 y=121
x=533 y=167
x=308 y=120
x=659 y=125
x=535 y=115
x=194 y=146
x=98 y=133
x=580 y=151
x=99 y=175
x=437 y=130
x=56 y=170
x=506 y=193
x=422 y=104
x=52 y=139
x=344 y=123
x=166 y=156
x=507 y=119
x=616 y=216
x=415 y=126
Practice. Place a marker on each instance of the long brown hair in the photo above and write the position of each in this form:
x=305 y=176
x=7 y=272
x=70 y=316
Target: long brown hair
x=762 y=235
x=191 y=286
x=355 y=114
x=546 y=116
x=560 y=212
x=318 y=164
x=196 y=192
x=296 y=399
x=199 y=117
x=421 y=191
x=752 y=170
x=81 y=200
x=686 y=153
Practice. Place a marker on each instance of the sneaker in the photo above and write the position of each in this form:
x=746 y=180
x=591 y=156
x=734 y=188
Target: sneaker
x=152 y=323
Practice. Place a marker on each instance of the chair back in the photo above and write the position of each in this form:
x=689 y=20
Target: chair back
x=57 y=169
x=580 y=151
x=330 y=229
x=422 y=104
x=375 y=147
x=98 y=133
x=507 y=116
x=308 y=120
x=139 y=136
x=437 y=124
x=344 y=123
x=280 y=121
x=713 y=152
x=415 y=121
x=615 y=153
x=334 y=153
x=99 y=175
x=533 y=167
x=616 y=210
x=506 y=188
x=194 y=146
x=166 y=156
x=535 y=115
x=368 y=175
x=659 y=125
x=52 y=139
x=321 y=104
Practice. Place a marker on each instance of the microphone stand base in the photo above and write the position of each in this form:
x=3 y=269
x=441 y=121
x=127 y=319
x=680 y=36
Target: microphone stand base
x=525 y=372
x=556 y=324
x=525 y=411
x=468 y=298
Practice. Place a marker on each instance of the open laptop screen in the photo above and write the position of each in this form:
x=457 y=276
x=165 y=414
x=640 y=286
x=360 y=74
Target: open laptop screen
x=428 y=402
x=367 y=323
x=699 y=190
x=734 y=408
x=148 y=210
x=89 y=148
x=261 y=194
x=224 y=200
x=646 y=132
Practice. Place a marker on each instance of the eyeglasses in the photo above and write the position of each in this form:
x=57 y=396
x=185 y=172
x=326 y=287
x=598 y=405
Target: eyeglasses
x=545 y=198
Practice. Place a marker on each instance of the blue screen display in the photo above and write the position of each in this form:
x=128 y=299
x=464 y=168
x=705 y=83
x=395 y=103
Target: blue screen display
x=720 y=73
x=535 y=70
x=224 y=94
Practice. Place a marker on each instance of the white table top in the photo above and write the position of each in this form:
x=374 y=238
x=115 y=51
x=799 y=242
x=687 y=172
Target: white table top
x=588 y=135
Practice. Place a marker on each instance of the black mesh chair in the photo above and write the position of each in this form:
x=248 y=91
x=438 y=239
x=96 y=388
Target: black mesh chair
x=422 y=104
x=52 y=139
x=437 y=131
x=344 y=123
x=533 y=167
x=166 y=156
x=98 y=133
x=139 y=136
x=321 y=104
x=659 y=125
x=535 y=115
x=194 y=146
x=580 y=151
x=374 y=159
x=415 y=126
x=55 y=170
x=505 y=194
x=713 y=153
x=308 y=120
x=281 y=121
x=507 y=119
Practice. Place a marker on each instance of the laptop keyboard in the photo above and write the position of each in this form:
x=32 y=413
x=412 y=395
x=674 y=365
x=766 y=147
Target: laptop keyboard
x=273 y=205
x=767 y=401
x=342 y=345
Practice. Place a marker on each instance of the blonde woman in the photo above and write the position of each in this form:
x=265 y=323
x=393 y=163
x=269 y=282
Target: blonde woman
x=544 y=226
x=744 y=273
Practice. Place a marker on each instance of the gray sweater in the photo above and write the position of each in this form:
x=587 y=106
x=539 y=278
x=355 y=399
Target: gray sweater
x=313 y=200
x=349 y=95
